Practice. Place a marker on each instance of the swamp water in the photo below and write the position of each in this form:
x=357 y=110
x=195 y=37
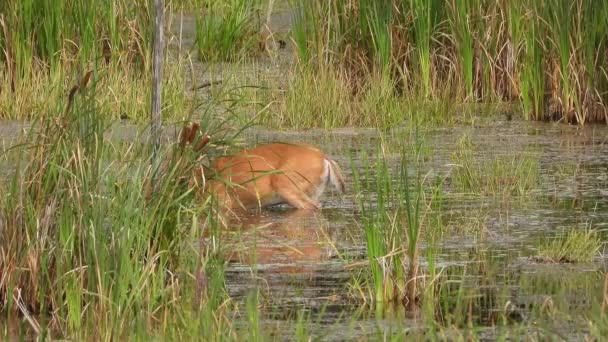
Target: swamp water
x=305 y=261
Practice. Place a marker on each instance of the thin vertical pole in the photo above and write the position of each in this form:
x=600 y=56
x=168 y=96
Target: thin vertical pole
x=157 y=75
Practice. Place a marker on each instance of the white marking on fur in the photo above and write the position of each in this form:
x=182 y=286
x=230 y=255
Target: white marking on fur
x=335 y=175
x=325 y=179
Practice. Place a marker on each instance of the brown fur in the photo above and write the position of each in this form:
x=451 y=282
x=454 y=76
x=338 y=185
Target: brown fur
x=271 y=174
x=274 y=174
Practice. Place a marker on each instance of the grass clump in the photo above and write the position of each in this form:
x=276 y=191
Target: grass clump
x=577 y=245
x=122 y=93
x=321 y=96
x=37 y=33
x=394 y=222
x=228 y=30
x=314 y=99
x=504 y=175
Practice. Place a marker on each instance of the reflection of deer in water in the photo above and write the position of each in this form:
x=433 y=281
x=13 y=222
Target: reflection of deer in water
x=293 y=241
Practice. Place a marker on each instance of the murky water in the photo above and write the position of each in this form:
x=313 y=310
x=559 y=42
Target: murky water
x=572 y=192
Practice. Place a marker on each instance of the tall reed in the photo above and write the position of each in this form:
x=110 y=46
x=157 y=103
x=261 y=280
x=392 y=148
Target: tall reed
x=469 y=50
x=559 y=18
x=43 y=43
x=460 y=23
x=425 y=17
x=393 y=222
x=306 y=32
x=382 y=234
x=37 y=32
x=375 y=22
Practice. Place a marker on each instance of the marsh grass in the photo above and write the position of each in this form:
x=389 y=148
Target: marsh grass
x=577 y=245
x=460 y=24
x=425 y=19
x=47 y=34
x=307 y=32
x=464 y=300
x=321 y=96
x=228 y=30
x=315 y=99
x=97 y=240
x=532 y=78
x=544 y=56
x=51 y=44
x=473 y=301
x=394 y=202
x=383 y=245
x=188 y=5
x=122 y=93
x=500 y=176
x=473 y=296
x=458 y=302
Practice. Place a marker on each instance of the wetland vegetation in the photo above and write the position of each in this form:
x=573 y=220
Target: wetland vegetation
x=465 y=217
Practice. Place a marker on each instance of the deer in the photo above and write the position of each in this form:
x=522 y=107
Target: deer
x=270 y=174
x=277 y=173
